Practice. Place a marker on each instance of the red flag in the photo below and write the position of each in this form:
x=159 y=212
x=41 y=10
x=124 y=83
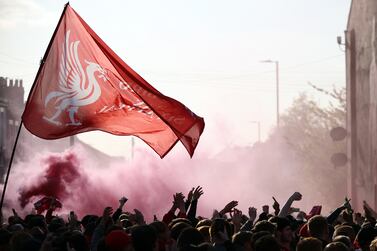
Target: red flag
x=82 y=85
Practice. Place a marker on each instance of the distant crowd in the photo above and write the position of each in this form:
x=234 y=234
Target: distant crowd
x=181 y=229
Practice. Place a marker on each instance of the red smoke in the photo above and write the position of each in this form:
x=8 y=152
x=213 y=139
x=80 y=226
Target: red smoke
x=62 y=171
x=87 y=190
x=251 y=175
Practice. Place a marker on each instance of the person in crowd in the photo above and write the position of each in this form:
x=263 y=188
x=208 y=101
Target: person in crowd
x=319 y=228
x=336 y=246
x=181 y=229
x=309 y=244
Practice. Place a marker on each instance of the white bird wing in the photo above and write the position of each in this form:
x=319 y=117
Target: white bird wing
x=71 y=75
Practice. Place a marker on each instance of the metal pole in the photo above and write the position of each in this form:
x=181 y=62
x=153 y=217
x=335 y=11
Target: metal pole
x=9 y=167
x=277 y=93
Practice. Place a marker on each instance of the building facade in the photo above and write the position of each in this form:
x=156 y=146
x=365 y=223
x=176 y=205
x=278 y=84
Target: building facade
x=11 y=107
x=361 y=63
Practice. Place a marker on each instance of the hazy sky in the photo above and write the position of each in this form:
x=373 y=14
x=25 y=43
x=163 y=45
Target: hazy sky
x=204 y=53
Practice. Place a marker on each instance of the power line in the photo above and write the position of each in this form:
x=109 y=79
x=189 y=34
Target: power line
x=17 y=59
x=18 y=63
x=237 y=76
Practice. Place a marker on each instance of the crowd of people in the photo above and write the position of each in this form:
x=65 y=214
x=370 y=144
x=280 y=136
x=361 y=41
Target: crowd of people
x=181 y=229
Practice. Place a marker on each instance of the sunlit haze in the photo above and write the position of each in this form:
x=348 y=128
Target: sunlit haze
x=205 y=54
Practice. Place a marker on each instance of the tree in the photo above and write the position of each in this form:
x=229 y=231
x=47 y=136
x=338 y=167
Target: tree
x=306 y=129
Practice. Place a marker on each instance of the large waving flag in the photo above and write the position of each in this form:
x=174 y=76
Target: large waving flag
x=82 y=85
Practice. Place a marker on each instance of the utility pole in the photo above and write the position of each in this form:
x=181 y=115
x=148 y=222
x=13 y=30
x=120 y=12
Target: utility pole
x=277 y=88
x=277 y=94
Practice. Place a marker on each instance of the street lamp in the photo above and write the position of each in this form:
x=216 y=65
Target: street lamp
x=277 y=86
x=258 y=123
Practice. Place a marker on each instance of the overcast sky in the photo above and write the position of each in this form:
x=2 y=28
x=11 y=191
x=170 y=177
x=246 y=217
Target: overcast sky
x=204 y=53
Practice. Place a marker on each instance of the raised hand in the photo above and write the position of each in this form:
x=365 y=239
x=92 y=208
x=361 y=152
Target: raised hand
x=197 y=193
x=139 y=217
x=276 y=206
x=14 y=212
x=72 y=220
x=179 y=202
x=252 y=214
x=237 y=218
x=189 y=195
x=296 y=196
x=228 y=207
x=106 y=216
x=216 y=214
x=266 y=209
x=122 y=201
x=369 y=212
x=346 y=205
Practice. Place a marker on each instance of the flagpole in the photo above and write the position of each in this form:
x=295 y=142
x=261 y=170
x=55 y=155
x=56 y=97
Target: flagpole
x=31 y=91
x=9 y=167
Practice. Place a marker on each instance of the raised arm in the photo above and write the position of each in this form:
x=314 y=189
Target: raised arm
x=248 y=226
x=100 y=230
x=228 y=208
x=296 y=196
x=119 y=210
x=335 y=214
x=276 y=206
x=191 y=214
x=189 y=198
x=170 y=215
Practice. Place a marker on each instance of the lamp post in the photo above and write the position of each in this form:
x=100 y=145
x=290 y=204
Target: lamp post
x=277 y=86
x=258 y=123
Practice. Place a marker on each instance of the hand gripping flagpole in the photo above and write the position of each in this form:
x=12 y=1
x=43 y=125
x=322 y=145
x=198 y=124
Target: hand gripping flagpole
x=31 y=90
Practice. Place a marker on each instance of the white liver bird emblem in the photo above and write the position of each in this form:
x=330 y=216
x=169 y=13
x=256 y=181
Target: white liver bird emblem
x=76 y=87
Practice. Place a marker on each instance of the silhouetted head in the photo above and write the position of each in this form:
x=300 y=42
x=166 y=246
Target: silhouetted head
x=242 y=240
x=309 y=244
x=336 y=246
x=264 y=226
x=144 y=238
x=189 y=236
x=318 y=227
x=344 y=230
x=220 y=226
x=365 y=236
x=267 y=242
